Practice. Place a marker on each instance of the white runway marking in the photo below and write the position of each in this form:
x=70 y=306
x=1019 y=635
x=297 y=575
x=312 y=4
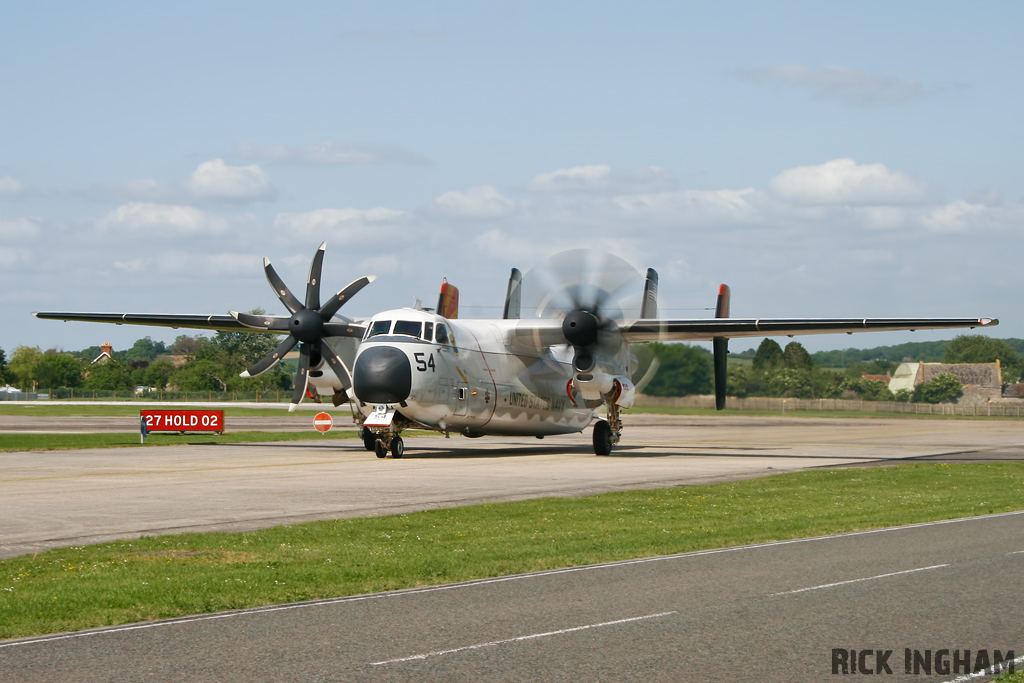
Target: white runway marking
x=1016 y=552
x=479 y=582
x=518 y=639
x=866 y=578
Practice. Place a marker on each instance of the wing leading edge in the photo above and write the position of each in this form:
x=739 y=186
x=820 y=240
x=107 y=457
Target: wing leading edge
x=224 y=323
x=734 y=328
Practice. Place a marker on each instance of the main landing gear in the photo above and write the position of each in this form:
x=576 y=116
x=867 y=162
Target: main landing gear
x=380 y=444
x=607 y=432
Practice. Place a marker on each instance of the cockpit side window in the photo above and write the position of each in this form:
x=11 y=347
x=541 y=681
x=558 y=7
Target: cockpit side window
x=413 y=328
x=379 y=327
x=441 y=334
x=428 y=331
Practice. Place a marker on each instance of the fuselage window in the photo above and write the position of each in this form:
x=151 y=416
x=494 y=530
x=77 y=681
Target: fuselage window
x=428 y=331
x=441 y=334
x=409 y=327
x=379 y=327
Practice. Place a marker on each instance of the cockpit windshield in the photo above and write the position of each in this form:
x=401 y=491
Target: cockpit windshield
x=409 y=327
x=379 y=327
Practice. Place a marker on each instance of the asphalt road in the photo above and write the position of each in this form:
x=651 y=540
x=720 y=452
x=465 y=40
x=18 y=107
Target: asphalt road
x=59 y=498
x=773 y=612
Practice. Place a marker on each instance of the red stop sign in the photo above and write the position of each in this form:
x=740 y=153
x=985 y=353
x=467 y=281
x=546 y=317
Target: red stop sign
x=323 y=422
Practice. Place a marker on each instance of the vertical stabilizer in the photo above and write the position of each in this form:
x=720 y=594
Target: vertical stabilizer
x=513 y=297
x=649 y=305
x=720 y=346
x=448 y=301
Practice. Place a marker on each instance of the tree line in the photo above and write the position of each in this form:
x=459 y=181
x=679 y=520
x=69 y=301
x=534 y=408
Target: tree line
x=792 y=372
x=203 y=364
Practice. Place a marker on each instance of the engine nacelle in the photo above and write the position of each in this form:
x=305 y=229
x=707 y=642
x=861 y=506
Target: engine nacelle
x=624 y=393
x=598 y=385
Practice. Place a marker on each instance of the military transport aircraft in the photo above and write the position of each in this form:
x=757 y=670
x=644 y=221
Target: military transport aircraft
x=539 y=375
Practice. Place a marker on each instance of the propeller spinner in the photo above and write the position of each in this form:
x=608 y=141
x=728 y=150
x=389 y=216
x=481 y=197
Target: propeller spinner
x=308 y=324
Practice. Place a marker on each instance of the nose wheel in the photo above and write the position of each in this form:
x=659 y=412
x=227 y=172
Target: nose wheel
x=380 y=445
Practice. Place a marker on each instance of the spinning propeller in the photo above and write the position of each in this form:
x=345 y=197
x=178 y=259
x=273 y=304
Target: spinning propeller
x=587 y=289
x=308 y=324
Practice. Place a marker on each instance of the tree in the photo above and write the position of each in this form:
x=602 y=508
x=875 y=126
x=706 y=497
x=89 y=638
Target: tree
x=185 y=345
x=56 y=369
x=112 y=374
x=769 y=355
x=4 y=373
x=795 y=356
x=945 y=387
x=684 y=370
x=156 y=374
x=144 y=349
x=23 y=362
x=976 y=348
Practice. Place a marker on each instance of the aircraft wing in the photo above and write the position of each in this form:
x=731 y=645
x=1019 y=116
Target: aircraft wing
x=706 y=329
x=200 y=322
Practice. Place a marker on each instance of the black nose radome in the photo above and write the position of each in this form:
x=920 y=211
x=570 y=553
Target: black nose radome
x=382 y=374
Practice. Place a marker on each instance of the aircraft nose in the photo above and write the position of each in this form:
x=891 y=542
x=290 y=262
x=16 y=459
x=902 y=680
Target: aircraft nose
x=382 y=374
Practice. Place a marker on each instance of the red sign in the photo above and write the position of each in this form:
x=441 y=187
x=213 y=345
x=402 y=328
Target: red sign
x=183 y=420
x=323 y=422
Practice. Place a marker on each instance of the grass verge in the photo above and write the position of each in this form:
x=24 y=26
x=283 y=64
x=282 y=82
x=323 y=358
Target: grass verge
x=864 y=415
x=55 y=442
x=159 y=577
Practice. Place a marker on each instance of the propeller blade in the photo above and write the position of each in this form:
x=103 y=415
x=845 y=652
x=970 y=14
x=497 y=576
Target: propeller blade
x=344 y=330
x=271 y=360
x=301 y=377
x=280 y=288
x=328 y=310
x=313 y=282
x=338 y=365
x=261 y=322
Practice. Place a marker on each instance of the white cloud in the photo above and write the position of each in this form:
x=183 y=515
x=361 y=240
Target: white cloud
x=477 y=202
x=696 y=207
x=10 y=187
x=960 y=216
x=844 y=181
x=843 y=83
x=215 y=179
x=165 y=220
x=19 y=228
x=601 y=178
x=329 y=153
x=346 y=225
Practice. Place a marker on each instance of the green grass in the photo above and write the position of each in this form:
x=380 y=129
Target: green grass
x=54 y=442
x=167 y=576
x=1016 y=677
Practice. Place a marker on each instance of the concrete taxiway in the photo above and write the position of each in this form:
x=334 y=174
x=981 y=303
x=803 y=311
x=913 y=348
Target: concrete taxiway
x=54 y=499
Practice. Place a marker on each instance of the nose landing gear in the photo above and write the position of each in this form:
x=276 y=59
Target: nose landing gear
x=380 y=444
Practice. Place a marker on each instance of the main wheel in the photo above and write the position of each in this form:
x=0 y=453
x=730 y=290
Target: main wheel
x=368 y=437
x=379 y=449
x=397 y=447
x=602 y=438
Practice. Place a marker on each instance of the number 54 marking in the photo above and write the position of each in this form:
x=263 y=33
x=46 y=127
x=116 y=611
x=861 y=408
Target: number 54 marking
x=422 y=364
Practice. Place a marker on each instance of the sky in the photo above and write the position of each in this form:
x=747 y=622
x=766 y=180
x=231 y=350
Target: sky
x=853 y=159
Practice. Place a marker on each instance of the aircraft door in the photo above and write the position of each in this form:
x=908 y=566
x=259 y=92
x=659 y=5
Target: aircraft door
x=461 y=396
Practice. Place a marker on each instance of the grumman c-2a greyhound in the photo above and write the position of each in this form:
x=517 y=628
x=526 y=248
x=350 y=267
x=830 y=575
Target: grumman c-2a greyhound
x=534 y=376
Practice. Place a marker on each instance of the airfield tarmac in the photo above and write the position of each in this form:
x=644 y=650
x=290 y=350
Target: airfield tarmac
x=52 y=499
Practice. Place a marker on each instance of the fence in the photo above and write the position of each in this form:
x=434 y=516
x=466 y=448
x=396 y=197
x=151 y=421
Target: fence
x=833 y=405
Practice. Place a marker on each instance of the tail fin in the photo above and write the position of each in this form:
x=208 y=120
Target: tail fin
x=513 y=297
x=649 y=305
x=720 y=345
x=448 y=301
